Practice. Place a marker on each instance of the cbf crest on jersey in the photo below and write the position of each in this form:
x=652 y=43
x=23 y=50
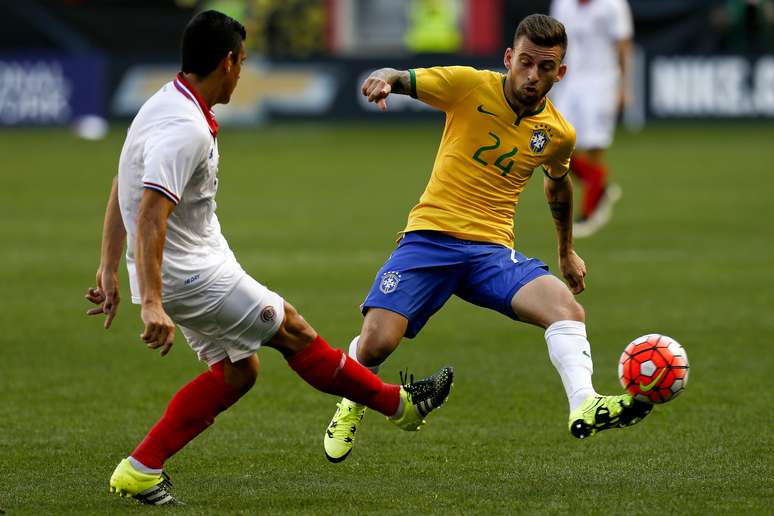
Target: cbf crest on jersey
x=389 y=282
x=541 y=137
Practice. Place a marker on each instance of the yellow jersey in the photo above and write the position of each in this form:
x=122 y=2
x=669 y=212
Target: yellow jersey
x=487 y=153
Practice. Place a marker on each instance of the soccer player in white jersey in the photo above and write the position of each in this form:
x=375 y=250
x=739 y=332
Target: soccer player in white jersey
x=182 y=271
x=595 y=89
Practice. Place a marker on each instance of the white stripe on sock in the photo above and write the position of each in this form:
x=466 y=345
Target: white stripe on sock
x=142 y=468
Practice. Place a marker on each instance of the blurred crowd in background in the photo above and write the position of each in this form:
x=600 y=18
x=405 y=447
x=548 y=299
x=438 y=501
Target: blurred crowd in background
x=307 y=28
x=61 y=60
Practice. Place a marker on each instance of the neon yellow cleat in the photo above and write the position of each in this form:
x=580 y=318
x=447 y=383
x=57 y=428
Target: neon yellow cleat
x=599 y=413
x=422 y=397
x=340 y=434
x=147 y=489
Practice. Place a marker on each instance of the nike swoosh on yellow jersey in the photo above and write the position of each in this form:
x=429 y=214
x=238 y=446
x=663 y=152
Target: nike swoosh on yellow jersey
x=482 y=110
x=646 y=388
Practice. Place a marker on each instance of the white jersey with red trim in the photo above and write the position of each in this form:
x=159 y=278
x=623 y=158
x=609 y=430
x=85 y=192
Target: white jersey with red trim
x=171 y=148
x=594 y=28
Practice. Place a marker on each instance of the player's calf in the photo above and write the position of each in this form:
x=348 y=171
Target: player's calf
x=240 y=375
x=332 y=371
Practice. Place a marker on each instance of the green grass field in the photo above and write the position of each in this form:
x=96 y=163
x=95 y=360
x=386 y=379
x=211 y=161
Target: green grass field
x=312 y=212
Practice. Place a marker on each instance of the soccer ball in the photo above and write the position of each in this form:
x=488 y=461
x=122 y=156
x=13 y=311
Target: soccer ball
x=654 y=368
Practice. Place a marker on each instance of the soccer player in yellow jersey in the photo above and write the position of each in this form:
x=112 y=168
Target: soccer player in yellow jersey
x=459 y=238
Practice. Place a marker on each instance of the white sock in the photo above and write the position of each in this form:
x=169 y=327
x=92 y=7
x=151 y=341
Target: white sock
x=142 y=468
x=570 y=353
x=399 y=412
x=353 y=354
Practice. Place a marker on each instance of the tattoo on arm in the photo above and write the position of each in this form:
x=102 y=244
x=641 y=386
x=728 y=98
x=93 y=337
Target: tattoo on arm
x=402 y=83
x=559 y=197
x=560 y=210
x=400 y=80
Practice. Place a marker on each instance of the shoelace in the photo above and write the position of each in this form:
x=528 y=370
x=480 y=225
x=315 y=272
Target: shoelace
x=407 y=382
x=416 y=390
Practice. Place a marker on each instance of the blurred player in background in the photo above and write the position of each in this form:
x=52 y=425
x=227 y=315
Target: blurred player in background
x=181 y=270
x=596 y=89
x=459 y=238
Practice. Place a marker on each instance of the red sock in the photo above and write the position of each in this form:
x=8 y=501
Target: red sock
x=332 y=371
x=580 y=167
x=594 y=179
x=192 y=409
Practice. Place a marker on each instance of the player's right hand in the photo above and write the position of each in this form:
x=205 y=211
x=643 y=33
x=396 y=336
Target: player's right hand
x=377 y=90
x=106 y=295
x=159 y=329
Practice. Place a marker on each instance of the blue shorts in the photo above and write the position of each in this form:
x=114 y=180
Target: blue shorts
x=429 y=266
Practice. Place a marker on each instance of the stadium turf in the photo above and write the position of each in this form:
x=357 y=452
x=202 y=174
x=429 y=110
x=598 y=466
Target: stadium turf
x=312 y=212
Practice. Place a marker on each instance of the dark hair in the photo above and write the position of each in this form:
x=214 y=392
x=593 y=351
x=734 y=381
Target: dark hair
x=207 y=39
x=542 y=30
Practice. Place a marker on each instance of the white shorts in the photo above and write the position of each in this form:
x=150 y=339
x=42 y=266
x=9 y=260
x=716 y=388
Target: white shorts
x=590 y=105
x=230 y=319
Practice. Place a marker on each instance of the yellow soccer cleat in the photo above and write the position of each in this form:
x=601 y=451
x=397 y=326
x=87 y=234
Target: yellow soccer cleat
x=148 y=489
x=599 y=413
x=340 y=434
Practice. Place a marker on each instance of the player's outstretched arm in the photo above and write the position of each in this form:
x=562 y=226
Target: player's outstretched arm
x=159 y=331
x=559 y=196
x=106 y=294
x=384 y=81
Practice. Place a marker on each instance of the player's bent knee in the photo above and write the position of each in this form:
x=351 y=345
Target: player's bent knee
x=545 y=301
x=571 y=311
x=295 y=326
x=373 y=349
x=243 y=382
x=294 y=334
x=241 y=375
x=381 y=333
x=574 y=312
x=566 y=307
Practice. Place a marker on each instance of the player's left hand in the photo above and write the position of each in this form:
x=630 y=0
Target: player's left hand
x=573 y=270
x=106 y=295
